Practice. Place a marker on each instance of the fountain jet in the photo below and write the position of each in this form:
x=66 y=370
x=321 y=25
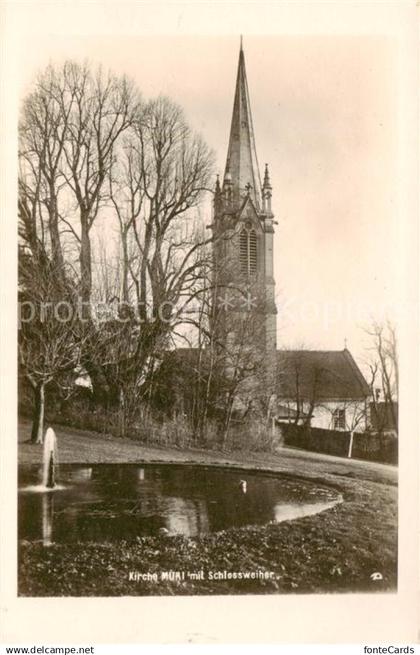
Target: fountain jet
x=49 y=459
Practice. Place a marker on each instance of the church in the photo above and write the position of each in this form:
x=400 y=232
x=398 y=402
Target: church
x=321 y=388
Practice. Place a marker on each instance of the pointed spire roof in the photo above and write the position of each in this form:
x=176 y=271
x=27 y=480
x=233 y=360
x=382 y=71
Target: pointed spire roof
x=242 y=163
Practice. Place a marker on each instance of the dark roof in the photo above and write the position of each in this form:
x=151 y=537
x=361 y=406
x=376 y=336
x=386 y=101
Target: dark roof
x=320 y=375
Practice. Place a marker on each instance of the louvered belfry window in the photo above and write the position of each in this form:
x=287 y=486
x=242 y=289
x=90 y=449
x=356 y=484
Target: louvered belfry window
x=252 y=240
x=248 y=251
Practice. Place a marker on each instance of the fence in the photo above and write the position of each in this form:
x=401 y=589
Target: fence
x=376 y=447
x=373 y=447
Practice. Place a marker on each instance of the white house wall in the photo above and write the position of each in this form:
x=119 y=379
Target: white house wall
x=323 y=415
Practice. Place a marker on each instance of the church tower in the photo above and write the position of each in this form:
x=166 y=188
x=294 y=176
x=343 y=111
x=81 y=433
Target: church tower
x=243 y=242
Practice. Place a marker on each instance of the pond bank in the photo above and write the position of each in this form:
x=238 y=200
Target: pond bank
x=337 y=550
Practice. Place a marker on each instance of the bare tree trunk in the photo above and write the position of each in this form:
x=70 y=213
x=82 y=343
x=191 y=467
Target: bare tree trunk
x=228 y=417
x=196 y=410
x=203 y=422
x=37 y=433
x=122 y=415
x=125 y=265
x=85 y=261
x=56 y=250
x=28 y=229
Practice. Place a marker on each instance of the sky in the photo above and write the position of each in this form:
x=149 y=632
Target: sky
x=325 y=119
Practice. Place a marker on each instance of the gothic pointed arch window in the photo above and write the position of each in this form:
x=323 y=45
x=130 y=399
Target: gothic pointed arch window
x=248 y=250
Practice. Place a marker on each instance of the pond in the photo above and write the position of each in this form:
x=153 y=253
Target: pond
x=111 y=502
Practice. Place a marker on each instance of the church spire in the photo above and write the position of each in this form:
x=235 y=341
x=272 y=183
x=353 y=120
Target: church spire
x=242 y=163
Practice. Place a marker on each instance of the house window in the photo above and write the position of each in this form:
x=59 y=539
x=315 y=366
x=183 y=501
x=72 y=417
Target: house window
x=248 y=251
x=339 y=419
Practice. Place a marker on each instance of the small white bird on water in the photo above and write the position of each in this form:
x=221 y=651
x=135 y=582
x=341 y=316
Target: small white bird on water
x=242 y=484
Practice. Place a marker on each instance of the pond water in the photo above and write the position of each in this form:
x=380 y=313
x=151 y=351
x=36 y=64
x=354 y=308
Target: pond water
x=109 y=502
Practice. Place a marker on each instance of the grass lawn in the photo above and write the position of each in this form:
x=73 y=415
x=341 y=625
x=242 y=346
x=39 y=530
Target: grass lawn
x=334 y=551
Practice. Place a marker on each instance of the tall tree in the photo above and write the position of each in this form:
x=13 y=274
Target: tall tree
x=101 y=107
x=43 y=130
x=384 y=374
x=51 y=334
x=90 y=152
x=159 y=178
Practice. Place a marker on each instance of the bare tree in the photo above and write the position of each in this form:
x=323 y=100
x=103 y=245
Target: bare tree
x=43 y=131
x=90 y=149
x=69 y=128
x=159 y=177
x=299 y=381
x=218 y=373
x=69 y=131
x=51 y=335
x=101 y=108
x=383 y=366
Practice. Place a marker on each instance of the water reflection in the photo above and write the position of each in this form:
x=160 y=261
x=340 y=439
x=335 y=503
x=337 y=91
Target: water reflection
x=82 y=473
x=187 y=517
x=107 y=502
x=289 y=511
x=47 y=518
